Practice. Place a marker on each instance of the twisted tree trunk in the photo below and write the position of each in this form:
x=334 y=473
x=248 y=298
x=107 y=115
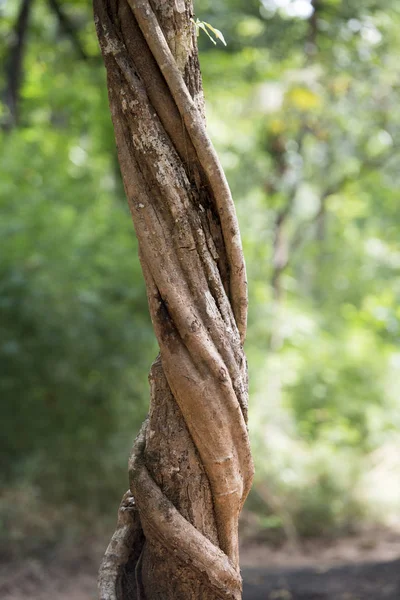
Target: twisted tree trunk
x=190 y=469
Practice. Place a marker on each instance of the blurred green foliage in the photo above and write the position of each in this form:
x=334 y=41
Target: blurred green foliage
x=304 y=108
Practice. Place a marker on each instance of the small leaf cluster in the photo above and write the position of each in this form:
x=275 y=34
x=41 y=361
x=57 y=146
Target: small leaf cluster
x=206 y=27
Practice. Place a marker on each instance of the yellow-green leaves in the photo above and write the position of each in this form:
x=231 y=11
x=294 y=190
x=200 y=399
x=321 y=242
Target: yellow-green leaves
x=205 y=27
x=304 y=99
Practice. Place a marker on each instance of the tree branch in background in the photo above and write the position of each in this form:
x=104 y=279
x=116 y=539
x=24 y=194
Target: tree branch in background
x=15 y=63
x=280 y=258
x=284 y=249
x=311 y=45
x=68 y=28
x=281 y=253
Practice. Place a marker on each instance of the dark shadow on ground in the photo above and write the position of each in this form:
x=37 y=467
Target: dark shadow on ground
x=368 y=581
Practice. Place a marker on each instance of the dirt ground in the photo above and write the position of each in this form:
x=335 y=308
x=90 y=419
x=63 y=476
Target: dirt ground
x=365 y=567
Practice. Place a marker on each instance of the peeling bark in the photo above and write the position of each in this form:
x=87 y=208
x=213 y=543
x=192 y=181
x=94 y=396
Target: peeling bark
x=190 y=469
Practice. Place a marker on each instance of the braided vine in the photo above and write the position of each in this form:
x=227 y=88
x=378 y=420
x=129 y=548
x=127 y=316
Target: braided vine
x=190 y=469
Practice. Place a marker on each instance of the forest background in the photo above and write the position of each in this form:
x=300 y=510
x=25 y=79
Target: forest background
x=303 y=105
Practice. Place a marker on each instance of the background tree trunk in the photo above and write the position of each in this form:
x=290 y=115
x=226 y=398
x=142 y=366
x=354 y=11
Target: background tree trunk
x=14 y=64
x=190 y=468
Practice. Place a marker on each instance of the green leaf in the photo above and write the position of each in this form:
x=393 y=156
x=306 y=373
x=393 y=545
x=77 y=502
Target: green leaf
x=218 y=34
x=196 y=24
x=203 y=25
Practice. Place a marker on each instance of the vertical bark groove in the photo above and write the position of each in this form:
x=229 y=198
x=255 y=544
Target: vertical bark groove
x=190 y=469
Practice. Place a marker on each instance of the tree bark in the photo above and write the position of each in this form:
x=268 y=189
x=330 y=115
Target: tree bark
x=190 y=469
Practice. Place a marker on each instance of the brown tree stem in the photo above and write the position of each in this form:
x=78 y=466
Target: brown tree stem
x=206 y=153
x=191 y=467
